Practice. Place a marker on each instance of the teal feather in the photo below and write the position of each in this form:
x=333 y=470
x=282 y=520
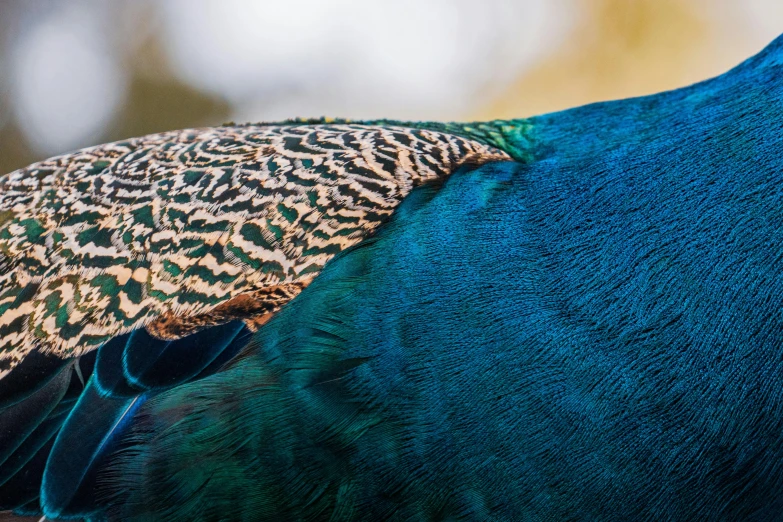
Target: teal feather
x=21 y=419
x=31 y=509
x=109 y=377
x=34 y=372
x=23 y=488
x=229 y=352
x=149 y=363
x=42 y=434
x=88 y=434
x=126 y=368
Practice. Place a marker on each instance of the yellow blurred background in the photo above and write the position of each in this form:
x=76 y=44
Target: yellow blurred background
x=82 y=72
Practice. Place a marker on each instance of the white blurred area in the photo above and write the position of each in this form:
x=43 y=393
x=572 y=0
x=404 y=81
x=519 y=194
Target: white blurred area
x=65 y=83
x=366 y=59
x=272 y=59
x=71 y=69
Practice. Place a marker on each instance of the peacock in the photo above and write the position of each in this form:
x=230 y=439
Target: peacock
x=574 y=316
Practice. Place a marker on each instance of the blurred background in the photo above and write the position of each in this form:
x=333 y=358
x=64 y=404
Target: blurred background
x=81 y=72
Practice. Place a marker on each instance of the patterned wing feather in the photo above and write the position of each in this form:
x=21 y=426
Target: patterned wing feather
x=179 y=230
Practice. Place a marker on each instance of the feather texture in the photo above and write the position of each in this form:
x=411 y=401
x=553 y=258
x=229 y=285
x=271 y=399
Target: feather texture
x=178 y=223
x=19 y=420
x=147 y=364
x=589 y=336
x=31 y=444
x=90 y=431
x=580 y=324
x=23 y=488
x=32 y=373
x=109 y=376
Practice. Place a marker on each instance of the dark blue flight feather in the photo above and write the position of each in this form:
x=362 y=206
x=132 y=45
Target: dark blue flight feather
x=22 y=418
x=149 y=363
x=91 y=430
x=109 y=378
x=30 y=375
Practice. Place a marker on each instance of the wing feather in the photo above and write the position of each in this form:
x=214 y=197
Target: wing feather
x=109 y=239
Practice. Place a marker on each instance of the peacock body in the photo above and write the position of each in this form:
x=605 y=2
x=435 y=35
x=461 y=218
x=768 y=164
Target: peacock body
x=575 y=316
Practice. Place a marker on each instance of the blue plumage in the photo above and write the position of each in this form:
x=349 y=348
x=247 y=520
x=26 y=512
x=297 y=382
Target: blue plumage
x=150 y=363
x=588 y=332
x=87 y=436
x=109 y=378
x=35 y=372
x=22 y=418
